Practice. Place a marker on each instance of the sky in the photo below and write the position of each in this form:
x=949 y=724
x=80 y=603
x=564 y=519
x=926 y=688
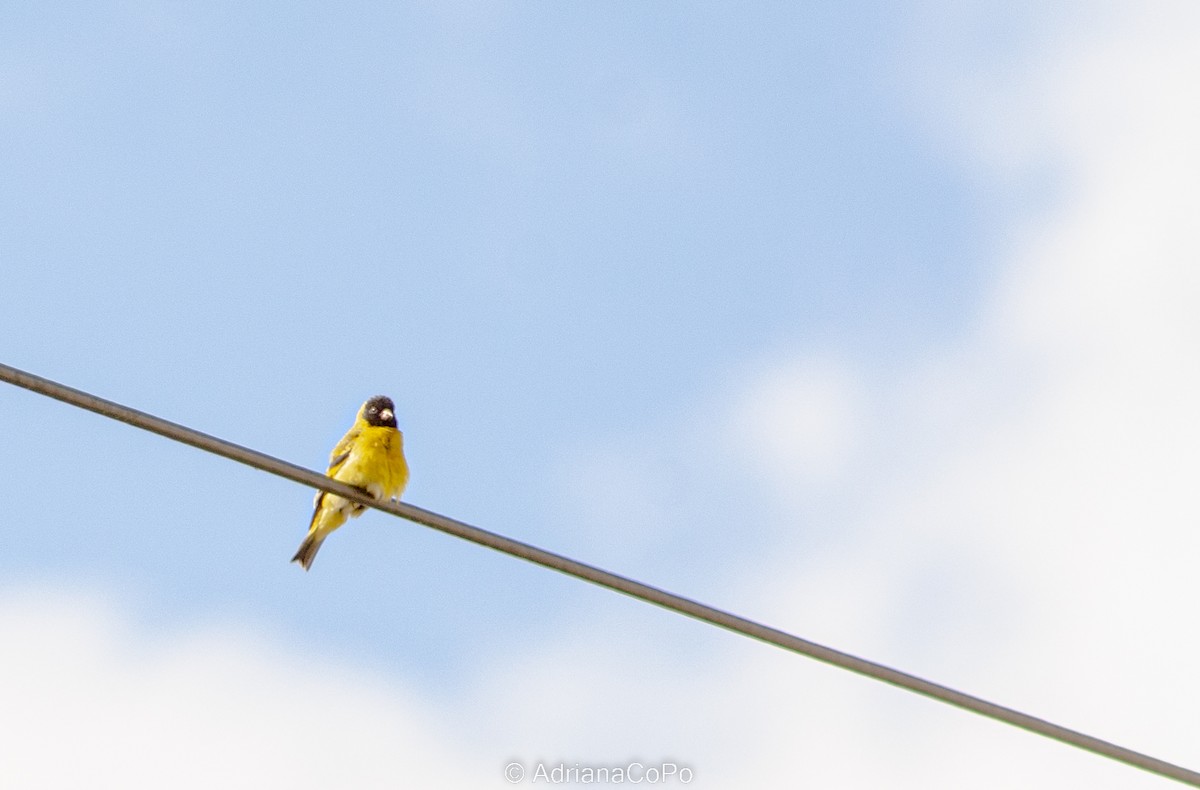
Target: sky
x=874 y=322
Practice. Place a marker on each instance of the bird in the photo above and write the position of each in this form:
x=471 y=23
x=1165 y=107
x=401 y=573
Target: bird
x=370 y=457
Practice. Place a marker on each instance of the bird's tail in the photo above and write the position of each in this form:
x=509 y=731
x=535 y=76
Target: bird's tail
x=308 y=549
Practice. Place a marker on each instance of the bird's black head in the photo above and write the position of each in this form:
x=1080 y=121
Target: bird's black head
x=380 y=412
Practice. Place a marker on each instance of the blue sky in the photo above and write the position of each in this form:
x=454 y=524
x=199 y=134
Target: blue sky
x=531 y=226
x=721 y=298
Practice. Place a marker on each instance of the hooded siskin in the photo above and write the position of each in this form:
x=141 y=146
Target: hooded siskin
x=371 y=457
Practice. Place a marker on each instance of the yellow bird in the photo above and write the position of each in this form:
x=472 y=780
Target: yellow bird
x=371 y=457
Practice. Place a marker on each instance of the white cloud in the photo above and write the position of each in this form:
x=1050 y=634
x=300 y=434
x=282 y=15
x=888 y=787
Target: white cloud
x=799 y=423
x=89 y=703
x=1077 y=508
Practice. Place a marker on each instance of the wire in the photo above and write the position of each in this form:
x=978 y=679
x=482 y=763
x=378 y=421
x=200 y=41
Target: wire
x=612 y=581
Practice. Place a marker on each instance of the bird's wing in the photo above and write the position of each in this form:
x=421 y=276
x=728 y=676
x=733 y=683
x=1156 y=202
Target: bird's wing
x=342 y=450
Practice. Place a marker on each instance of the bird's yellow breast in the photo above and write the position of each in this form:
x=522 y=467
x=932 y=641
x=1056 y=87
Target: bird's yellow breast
x=376 y=463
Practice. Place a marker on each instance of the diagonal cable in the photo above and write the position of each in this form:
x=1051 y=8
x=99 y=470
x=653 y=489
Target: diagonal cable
x=603 y=578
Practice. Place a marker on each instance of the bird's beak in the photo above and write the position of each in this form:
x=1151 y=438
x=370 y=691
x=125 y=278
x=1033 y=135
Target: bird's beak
x=387 y=415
